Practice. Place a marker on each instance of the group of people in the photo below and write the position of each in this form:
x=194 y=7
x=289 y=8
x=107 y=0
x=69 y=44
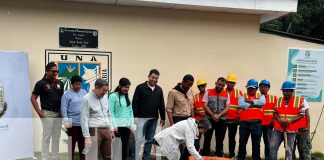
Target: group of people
x=93 y=119
x=257 y=114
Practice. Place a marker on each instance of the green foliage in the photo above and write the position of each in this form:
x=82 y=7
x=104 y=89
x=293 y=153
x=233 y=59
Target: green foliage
x=307 y=21
x=318 y=155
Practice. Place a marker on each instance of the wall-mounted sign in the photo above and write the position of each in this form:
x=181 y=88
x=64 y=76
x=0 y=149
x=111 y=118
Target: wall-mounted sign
x=90 y=65
x=306 y=69
x=78 y=38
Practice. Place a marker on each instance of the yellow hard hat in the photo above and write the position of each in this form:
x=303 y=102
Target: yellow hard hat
x=231 y=77
x=201 y=81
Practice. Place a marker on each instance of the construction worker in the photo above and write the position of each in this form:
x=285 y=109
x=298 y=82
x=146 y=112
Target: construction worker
x=267 y=120
x=216 y=104
x=288 y=110
x=250 y=120
x=199 y=111
x=232 y=116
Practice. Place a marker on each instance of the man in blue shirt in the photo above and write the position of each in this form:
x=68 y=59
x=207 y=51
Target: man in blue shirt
x=251 y=114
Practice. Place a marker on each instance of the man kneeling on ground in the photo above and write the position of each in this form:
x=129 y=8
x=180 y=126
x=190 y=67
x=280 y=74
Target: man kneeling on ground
x=184 y=132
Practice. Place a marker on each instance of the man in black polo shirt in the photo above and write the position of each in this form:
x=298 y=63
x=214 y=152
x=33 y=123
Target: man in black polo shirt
x=50 y=91
x=148 y=103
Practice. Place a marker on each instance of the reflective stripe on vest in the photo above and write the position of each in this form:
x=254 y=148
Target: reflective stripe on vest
x=236 y=93
x=196 y=98
x=257 y=96
x=234 y=107
x=268 y=112
x=271 y=99
x=296 y=101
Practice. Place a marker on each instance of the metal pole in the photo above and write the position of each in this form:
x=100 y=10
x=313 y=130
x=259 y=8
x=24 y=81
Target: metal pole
x=314 y=132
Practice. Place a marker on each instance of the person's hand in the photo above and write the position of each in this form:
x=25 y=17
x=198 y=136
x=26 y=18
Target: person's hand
x=215 y=117
x=112 y=134
x=87 y=142
x=133 y=129
x=67 y=124
x=135 y=120
x=115 y=130
x=284 y=123
x=41 y=114
x=249 y=101
x=162 y=122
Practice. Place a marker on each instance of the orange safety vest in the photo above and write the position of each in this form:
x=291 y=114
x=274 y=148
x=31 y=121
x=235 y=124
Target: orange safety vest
x=268 y=109
x=288 y=113
x=251 y=113
x=198 y=106
x=212 y=92
x=233 y=112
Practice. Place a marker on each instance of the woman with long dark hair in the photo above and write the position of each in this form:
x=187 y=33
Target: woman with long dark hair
x=122 y=114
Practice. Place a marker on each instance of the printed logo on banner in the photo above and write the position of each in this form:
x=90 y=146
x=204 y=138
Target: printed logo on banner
x=307 y=54
x=89 y=65
x=3 y=103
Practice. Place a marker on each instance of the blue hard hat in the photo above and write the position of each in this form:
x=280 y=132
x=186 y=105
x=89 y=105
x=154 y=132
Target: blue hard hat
x=288 y=85
x=252 y=83
x=265 y=82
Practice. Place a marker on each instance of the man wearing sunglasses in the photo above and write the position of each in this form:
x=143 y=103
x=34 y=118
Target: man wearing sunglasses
x=50 y=91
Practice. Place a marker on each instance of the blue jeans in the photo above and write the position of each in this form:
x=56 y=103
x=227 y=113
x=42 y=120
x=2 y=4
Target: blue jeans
x=145 y=128
x=276 y=139
x=253 y=127
x=266 y=134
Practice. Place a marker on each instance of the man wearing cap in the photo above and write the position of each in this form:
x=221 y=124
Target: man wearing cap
x=199 y=111
x=267 y=120
x=232 y=116
x=186 y=131
x=251 y=114
x=288 y=111
x=216 y=104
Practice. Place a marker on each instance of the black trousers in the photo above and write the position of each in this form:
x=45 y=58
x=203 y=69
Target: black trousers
x=232 y=130
x=123 y=133
x=220 y=129
x=177 y=119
